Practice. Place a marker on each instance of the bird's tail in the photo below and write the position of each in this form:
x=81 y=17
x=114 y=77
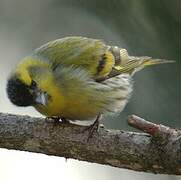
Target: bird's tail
x=124 y=63
x=135 y=64
x=150 y=61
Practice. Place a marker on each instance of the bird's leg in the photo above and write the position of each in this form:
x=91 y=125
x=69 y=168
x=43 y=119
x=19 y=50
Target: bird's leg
x=93 y=127
x=58 y=119
x=54 y=119
x=64 y=120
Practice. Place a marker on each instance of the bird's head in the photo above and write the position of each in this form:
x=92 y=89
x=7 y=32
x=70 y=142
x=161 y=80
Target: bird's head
x=24 y=87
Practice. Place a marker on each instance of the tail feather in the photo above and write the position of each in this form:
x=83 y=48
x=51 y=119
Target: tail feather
x=135 y=64
x=151 y=61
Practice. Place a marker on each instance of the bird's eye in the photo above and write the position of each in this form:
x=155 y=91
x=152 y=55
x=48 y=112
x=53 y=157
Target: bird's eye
x=33 y=84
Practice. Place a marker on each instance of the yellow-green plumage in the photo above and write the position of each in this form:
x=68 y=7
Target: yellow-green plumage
x=77 y=51
x=79 y=77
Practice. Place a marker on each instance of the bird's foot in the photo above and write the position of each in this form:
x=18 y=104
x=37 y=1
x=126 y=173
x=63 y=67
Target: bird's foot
x=64 y=120
x=93 y=127
x=57 y=119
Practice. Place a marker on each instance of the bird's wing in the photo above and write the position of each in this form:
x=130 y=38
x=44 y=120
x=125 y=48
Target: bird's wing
x=90 y=54
x=82 y=94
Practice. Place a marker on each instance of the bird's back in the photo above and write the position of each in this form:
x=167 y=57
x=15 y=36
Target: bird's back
x=90 y=54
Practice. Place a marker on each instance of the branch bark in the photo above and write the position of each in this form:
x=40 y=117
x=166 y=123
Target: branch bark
x=159 y=151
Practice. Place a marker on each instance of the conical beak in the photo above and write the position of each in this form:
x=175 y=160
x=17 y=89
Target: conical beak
x=41 y=98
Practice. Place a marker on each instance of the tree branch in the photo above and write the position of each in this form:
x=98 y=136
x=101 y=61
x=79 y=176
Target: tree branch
x=159 y=152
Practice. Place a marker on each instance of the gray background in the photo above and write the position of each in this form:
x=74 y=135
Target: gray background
x=143 y=27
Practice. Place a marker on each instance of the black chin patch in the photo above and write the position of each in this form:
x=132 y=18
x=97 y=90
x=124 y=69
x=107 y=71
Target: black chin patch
x=19 y=93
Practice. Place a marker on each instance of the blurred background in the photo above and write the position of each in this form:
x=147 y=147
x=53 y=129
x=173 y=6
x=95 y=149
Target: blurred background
x=143 y=27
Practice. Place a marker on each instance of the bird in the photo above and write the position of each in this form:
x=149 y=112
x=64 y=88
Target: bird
x=76 y=78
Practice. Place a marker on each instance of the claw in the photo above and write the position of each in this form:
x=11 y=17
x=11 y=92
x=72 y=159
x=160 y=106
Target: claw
x=93 y=127
x=57 y=119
